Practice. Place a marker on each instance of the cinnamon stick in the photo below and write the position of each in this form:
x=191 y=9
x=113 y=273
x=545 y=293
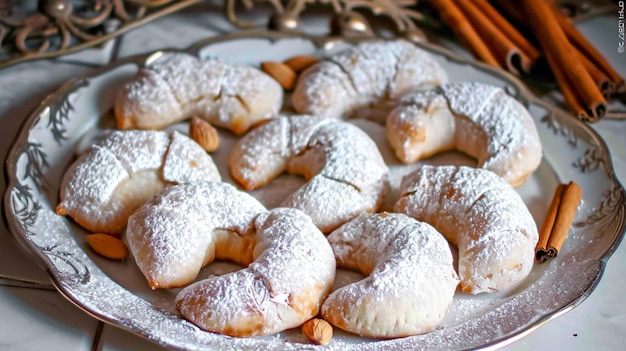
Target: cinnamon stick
x=568 y=91
x=569 y=205
x=586 y=48
x=508 y=29
x=506 y=52
x=453 y=17
x=602 y=81
x=558 y=221
x=541 y=249
x=562 y=56
x=513 y=11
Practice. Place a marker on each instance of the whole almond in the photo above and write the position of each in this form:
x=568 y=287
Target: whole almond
x=282 y=73
x=108 y=246
x=204 y=134
x=318 y=331
x=60 y=210
x=301 y=62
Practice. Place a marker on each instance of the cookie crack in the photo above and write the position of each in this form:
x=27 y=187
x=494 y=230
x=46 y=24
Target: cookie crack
x=342 y=182
x=346 y=73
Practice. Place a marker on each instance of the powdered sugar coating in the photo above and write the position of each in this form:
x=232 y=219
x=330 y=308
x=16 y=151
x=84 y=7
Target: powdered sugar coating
x=411 y=280
x=347 y=175
x=187 y=76
x=482 y=215
x=478 y=119
x=186 y=162
x=175 y=234
x=113 y=178
x=86 y=191
x=177 y=86
x=290 y=270
x=365 y=74
x=137 y=150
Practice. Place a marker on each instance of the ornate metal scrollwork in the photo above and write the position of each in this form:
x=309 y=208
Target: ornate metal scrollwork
x=47 y=28
x=32 y=29
x=345 y=19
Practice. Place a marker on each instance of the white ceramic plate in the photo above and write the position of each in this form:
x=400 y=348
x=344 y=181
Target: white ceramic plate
x=117 y=293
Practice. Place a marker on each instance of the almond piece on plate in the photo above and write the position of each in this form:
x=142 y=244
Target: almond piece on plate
x=108 y=246
x=203 y=133
x=301 y=62
x=318 y=331
x=283 y=74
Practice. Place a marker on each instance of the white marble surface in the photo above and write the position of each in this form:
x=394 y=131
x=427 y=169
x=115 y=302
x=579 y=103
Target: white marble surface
x=25 y=312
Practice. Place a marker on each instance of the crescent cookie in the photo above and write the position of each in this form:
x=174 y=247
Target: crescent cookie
x=177 y=86
x=364 y=74
x=410 y=279
x=482 y=215
x=107 y=183
x=345 y=171
x=291 y=270
x=187 y=226
x=480 y=120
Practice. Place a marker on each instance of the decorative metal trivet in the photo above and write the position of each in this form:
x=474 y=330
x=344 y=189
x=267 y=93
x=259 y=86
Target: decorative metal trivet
x=32 y=29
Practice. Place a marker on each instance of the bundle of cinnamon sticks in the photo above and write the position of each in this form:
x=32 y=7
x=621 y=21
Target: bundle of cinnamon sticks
x=584 y=77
